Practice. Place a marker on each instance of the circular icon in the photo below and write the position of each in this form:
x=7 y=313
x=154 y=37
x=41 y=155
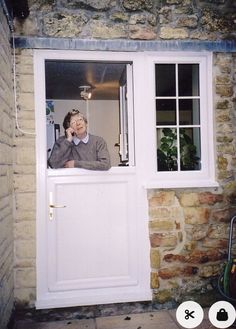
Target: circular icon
x=222 y=314
x=189 y=314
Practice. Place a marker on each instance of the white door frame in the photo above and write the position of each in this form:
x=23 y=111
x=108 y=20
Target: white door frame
x=41 y=159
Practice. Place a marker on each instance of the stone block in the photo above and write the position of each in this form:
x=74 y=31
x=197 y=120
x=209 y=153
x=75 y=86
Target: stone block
x=221 y=215
x=163 y=240
x=24 y=183
x=215 y=243
x=224 y=91
x=25 y=249
x=218 y=231
x=161 y=225
x=209 y=198
x=196 y=215
x=26 y=83
x=25 y=230
x=25 y=278
x=25 y=297
x=26 y=101
x=173 y=33
x=163 y=296
x=100 y=29
x=175 y=271
x=154 y=280
x=25 y=201
x=142 y=32
x=159 y=212
x=25 y=155
x=210 y=271
x=189 y=199
x=155 y=258
x=162 y=199
x=187 y=21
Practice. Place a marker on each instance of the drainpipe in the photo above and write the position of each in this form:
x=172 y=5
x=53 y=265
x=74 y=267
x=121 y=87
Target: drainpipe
x=7 y=14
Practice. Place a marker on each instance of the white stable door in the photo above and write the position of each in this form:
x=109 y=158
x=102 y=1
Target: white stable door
x=92 y=226
x=92 y=239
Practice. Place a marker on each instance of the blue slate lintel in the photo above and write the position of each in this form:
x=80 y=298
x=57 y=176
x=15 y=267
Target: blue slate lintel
x=124 y=45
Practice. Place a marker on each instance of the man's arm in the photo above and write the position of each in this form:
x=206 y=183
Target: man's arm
x=60 y=153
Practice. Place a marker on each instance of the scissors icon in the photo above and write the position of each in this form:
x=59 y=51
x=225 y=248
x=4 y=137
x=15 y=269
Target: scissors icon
x=189 y=314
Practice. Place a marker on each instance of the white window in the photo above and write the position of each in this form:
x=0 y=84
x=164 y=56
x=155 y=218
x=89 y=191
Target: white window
x=181 y=93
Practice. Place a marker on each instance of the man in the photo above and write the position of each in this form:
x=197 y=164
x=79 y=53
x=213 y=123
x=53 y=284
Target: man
x=78 y=148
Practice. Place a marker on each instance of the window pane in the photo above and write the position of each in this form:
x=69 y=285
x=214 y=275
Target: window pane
x=165 y=112
x=188 y=79
x=189 y=111
x=190 y=149
x=165 y=80
x=167 y=149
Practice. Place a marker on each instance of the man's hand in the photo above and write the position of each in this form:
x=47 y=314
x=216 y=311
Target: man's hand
x=69 y=134
x=69 y=164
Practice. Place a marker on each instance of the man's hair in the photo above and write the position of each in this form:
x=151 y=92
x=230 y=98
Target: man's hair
x=69 y=115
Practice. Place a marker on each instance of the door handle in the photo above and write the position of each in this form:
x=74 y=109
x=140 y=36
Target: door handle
x=56 y=206
x=53 y=206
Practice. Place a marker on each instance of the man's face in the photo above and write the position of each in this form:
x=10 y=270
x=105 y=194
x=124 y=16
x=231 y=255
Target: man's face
x=79 y=126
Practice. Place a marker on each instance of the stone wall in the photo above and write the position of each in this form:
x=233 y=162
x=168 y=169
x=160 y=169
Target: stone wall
x=6 y=175
x=24 y=182
x=188 y=228
x=128 y=19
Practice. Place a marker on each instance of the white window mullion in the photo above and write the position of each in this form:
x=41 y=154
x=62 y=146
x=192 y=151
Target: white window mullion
x=177 y=115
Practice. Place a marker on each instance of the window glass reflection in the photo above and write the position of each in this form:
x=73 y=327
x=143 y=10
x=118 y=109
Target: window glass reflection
x=165 y=112
x=165 y=80
x=188 y=78
x=190 y=152
x=189 y=111
x=167 y=149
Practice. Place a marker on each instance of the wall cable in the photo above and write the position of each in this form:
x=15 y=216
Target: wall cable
x=14 y=90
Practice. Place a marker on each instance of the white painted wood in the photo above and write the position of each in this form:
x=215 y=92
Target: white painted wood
x=95 y=250
x=66 y=276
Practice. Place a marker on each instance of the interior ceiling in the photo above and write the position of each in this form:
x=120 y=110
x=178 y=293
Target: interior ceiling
x=63 y=79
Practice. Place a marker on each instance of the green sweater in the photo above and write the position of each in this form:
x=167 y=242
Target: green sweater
x=93 y=155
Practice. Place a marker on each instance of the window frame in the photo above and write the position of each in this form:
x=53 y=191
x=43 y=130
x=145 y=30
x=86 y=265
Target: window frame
x=205 y=177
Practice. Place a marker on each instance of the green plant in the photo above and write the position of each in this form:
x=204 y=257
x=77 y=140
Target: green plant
x=167 y=152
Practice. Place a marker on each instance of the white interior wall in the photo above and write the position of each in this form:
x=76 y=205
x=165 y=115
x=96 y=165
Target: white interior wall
x=103 y=120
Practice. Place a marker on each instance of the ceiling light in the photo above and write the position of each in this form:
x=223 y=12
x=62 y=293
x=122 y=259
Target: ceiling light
x=85 y=92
